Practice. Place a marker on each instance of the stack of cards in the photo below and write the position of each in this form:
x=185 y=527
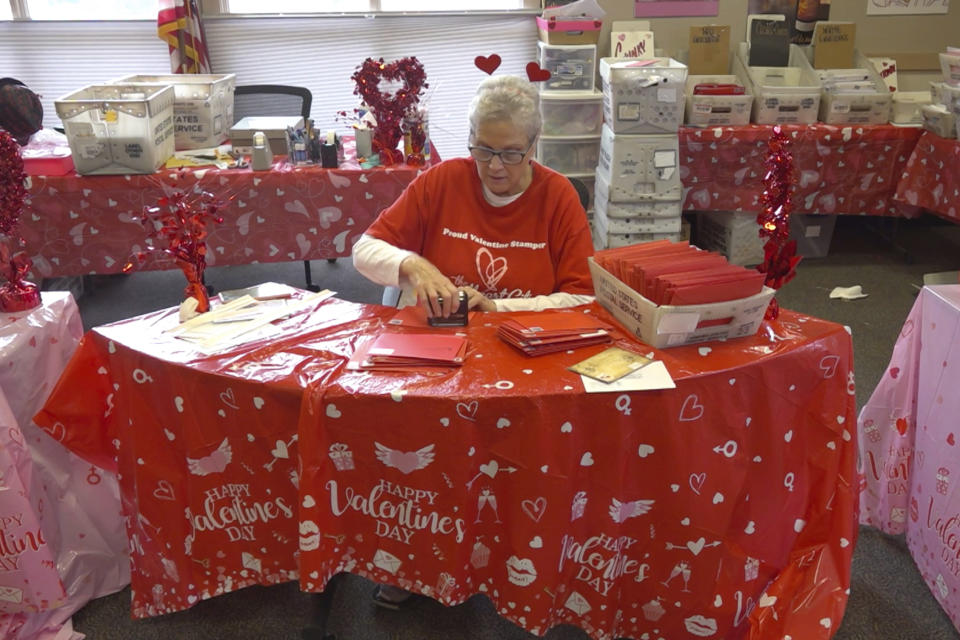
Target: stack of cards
x=402 y=351
x=675 y=273
x=540 y=332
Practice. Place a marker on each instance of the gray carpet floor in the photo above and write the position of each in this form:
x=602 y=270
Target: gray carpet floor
x=888 y=599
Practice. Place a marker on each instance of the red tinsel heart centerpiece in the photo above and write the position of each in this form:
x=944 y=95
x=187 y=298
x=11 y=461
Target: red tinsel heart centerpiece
x=389 y=108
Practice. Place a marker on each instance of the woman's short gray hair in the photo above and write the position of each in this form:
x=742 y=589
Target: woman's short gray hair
x=506 y=98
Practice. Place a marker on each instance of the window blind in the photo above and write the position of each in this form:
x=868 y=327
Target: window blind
x=55 y=58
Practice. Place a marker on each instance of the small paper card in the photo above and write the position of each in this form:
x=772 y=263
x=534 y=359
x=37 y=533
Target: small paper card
x=833 y=45
x=709 y=50
x=610 y=364
x=769 y=37
x=631 y=39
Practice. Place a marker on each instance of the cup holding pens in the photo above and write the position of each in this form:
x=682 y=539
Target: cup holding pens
x=297 y=146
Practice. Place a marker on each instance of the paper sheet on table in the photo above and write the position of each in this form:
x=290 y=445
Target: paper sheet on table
x=240 y=320
x=848 y=293
x=653 y=376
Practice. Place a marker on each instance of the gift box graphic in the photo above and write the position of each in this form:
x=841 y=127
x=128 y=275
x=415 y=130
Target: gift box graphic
x=341 y=456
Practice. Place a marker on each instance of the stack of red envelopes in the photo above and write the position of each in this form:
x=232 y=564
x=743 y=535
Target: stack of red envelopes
x=400 y=351
x=540 y=332
x=676 y=273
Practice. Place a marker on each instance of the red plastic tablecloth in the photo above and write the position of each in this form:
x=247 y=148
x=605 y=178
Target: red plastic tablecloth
x=931 y=178
x=77 y=225
x=909 y=435
x=838 y=169
x=484 y=474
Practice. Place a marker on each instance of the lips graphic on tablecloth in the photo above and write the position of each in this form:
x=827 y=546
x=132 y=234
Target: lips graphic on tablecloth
x=309 y=536
x=520 y=571
x=700 y=626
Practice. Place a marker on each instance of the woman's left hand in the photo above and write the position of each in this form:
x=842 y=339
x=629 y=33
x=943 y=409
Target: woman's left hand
x=476 y=300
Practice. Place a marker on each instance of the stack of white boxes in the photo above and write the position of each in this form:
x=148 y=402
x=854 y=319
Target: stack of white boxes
x=572 y=112
x=638 y=190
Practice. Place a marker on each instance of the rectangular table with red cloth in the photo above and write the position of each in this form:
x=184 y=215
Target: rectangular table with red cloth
x=909 y=435
x=931 y=178
x=78 y=225
x=727 y=503
x=846 y=169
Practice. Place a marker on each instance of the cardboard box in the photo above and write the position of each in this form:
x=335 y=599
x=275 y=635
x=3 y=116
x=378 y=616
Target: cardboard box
x=274 y=127
x=670 y=326
x=570 y=31
x=709 y=50
x=118 y=129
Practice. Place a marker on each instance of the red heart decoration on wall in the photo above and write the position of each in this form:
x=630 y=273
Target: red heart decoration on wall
x=487 y=64
x=536 y=73
x=894 y=372
x=951 y=440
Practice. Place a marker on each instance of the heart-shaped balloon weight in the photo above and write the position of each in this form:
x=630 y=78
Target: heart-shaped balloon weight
x=389 y=108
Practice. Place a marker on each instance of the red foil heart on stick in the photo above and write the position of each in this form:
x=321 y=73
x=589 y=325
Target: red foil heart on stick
x=536 y=73
x=488 y=64
x=389 y=108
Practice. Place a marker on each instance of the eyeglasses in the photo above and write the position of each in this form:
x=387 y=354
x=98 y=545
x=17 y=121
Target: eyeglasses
x=507 y=156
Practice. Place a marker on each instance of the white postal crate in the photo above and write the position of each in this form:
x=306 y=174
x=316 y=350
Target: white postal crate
x=202 y=108
x=118 y=129
x=870 y=105
x=571 y=113
x=639 y=168
x=709 y=111
x=642 y=210
x=781 y=95
x=669 y=326
x=643 y=95
x=632 y=226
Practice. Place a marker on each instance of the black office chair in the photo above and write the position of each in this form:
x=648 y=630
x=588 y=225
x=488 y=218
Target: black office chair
x=275 y=100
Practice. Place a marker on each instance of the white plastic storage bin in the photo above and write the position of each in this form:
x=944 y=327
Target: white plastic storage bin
x=118 y=129
x=734 y=234
x=709 y=111
x=637 y=225
x=639 y=168
x=571 y=113
x=202 y=109
x=781 y=95
x=939 y=120
x=950 y=67
x=569 y=154
x=853 y=96
x=907 y=106
x=643 y=96
x=572 y=67
x=642 y=210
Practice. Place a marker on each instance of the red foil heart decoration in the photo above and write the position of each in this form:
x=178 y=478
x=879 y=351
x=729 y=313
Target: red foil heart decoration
x=487 y=64
x=536 y=73
x=389 y=109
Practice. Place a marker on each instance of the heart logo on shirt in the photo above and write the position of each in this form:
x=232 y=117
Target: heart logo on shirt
x=491 y=270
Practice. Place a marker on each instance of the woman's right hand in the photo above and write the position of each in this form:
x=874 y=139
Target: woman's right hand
x=434 y=291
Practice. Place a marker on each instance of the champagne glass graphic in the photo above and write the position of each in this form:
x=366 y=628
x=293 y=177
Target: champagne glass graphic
x=678 y=569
